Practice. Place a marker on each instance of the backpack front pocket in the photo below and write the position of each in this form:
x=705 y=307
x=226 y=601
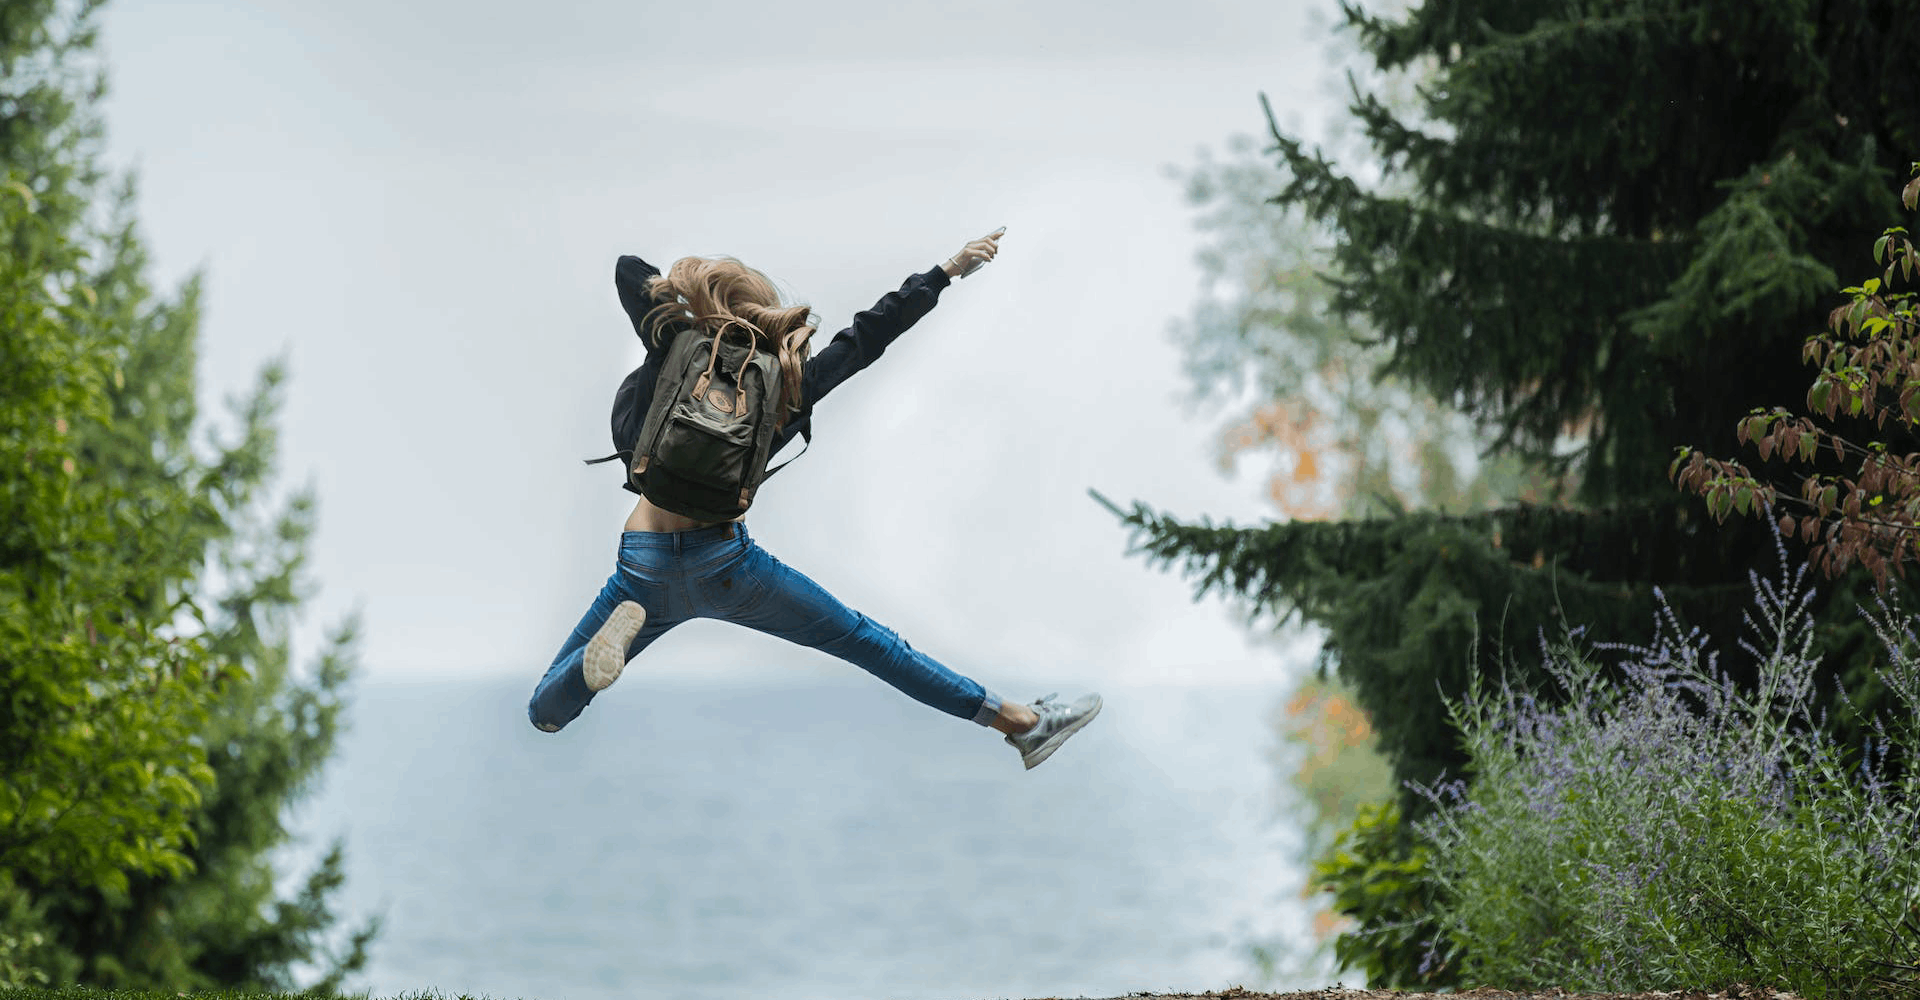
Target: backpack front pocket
x=704 y=447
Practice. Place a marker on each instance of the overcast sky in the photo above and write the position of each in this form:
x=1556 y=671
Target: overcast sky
x=418 y=205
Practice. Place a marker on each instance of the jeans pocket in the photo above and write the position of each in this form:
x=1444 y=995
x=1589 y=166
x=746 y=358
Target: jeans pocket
x=644 y=584
x=645 y=562
x=728 y=592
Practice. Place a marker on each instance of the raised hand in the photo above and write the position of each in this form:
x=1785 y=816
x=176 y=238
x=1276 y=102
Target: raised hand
x=975 y=254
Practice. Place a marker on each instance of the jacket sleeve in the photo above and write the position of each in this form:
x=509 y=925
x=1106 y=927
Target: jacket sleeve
x=630 y=277
x=873 y=329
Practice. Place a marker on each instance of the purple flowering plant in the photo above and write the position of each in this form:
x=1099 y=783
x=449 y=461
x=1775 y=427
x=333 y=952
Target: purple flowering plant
x=1656 y=827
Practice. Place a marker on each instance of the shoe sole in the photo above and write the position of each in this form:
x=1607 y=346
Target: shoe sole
x=1045 y=750
x=606 y=652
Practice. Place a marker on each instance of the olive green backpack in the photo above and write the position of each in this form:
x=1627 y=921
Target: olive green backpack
x=703 y=447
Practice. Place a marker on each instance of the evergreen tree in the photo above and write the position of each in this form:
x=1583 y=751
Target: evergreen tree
x=152 y=729
x=1604 y=235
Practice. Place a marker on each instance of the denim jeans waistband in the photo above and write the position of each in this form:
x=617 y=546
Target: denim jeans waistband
x=683 y=539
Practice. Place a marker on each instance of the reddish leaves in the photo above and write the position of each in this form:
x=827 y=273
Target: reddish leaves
x=1866 y=514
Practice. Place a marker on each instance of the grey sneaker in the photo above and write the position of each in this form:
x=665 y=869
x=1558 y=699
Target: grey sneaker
x=1057 y=722
x=606 y=652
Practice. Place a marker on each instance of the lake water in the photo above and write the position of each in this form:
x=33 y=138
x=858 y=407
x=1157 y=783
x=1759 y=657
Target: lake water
x=822 y=839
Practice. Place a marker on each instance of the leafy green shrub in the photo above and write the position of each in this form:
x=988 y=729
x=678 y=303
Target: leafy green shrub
x=1378 y=874
x=1655 y=826
x=20 y=940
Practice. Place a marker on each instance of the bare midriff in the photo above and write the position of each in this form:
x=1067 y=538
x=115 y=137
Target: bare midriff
x=647 y=517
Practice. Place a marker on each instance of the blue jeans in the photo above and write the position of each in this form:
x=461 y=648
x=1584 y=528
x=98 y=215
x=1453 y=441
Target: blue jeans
x=718 y=572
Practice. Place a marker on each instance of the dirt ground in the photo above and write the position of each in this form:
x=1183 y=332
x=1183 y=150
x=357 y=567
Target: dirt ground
x=1738 y=993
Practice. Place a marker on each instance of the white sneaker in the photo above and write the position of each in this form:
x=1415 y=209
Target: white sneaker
x=1057 y=722
x=606 y=653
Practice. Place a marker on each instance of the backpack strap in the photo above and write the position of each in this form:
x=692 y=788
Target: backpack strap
x=806 y=441
x=626 y=454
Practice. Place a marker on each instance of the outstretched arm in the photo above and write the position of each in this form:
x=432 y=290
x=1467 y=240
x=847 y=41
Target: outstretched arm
x=873 y=329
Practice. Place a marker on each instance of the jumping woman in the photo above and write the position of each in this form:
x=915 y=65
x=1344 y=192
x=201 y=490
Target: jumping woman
x=672 y=567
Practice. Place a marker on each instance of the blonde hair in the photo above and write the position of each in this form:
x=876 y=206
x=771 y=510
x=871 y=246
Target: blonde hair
x=724 y=295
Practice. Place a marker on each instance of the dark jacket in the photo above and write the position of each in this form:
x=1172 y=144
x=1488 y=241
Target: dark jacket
x=849 y=351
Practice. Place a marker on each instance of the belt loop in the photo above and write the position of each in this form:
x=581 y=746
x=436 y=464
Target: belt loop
x=730 y=532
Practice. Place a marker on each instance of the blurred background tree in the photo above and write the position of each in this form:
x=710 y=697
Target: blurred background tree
x=1602 y=232
x=1309 y=405
x=1335 y=441
x=152 y=727
x=1341 y=440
